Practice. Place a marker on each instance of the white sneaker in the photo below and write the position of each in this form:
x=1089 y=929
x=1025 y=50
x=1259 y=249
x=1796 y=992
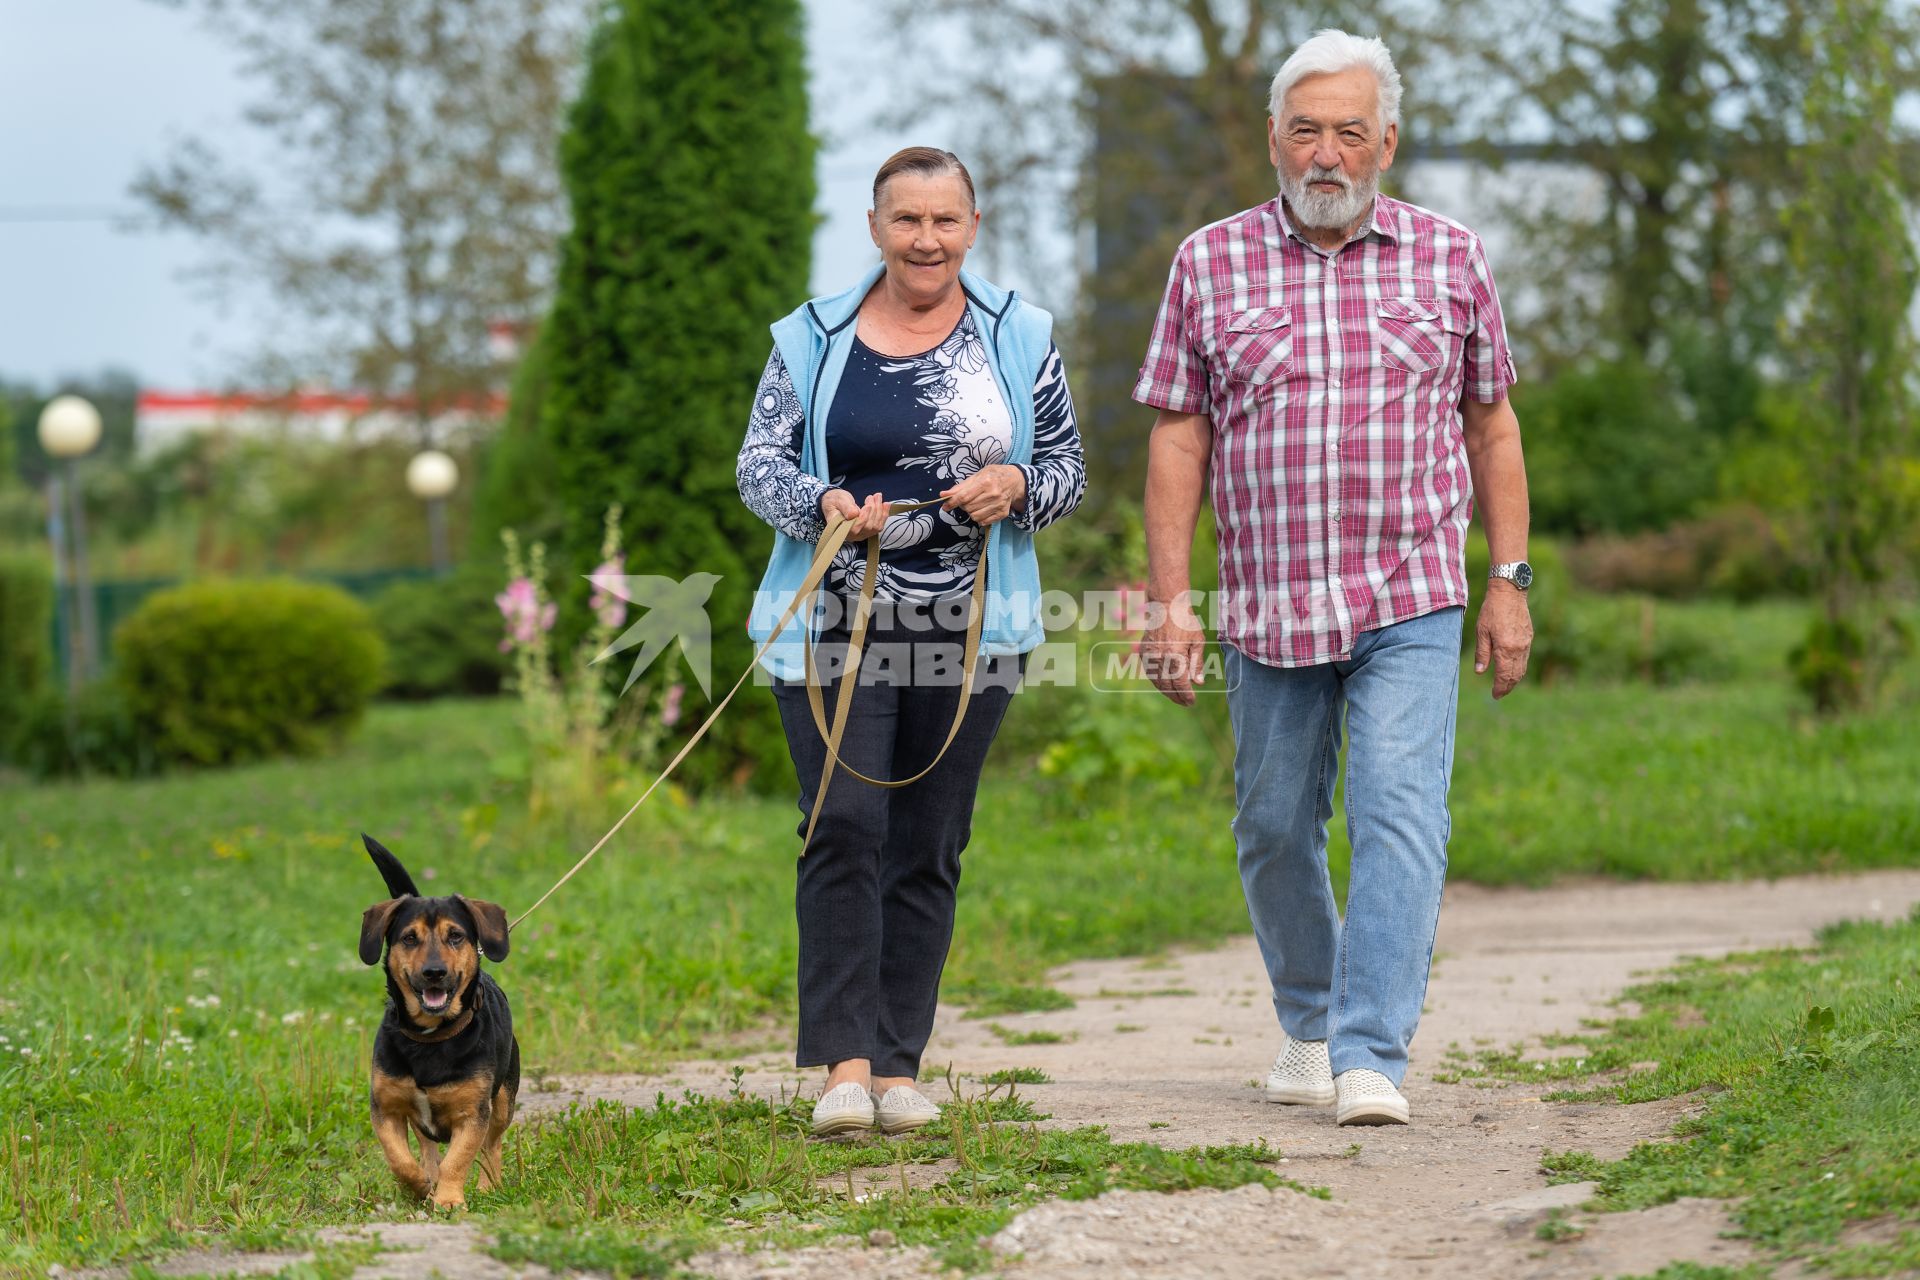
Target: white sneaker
x=1367 y=1097
x=843 y=1109
x=1301 y=1075
x=904 y=1109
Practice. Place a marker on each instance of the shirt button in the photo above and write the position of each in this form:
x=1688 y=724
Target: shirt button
x=1333 y=512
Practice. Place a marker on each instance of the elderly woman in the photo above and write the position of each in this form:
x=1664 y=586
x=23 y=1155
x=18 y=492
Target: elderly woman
x=923 y=381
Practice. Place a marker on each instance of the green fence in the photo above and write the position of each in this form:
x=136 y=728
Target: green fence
x=113 y=601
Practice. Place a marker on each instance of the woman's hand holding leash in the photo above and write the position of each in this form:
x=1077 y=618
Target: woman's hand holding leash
x=866 y=517
x=990 y=494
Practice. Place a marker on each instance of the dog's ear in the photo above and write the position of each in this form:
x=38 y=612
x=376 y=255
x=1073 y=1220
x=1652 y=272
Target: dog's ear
x=373 y=929
x=490 y=923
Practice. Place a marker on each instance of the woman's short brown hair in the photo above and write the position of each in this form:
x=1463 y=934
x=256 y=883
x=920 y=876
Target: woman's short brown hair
x=924 y=162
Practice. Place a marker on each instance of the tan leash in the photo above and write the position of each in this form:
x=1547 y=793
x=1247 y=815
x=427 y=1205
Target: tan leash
x=856 y=640
x=830 y=543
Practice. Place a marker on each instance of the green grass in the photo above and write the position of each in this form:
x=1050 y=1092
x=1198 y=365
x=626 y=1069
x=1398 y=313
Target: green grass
x=1038 y=1035
x=181 y=972
x=987 y=1001
x=1017 y=1075
x=1717 y=779
x=179 y=951
x=1810 y=1067
x=1697 y=782
x=1697 y=1271
x=606 y=1186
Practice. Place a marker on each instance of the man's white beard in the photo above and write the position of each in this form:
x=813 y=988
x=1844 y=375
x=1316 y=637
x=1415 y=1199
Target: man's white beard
x=1328 y=210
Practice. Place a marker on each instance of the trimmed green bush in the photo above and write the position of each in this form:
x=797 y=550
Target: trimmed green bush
x=689 y=168
x=442 y=635
x=26 y=637
x=230 y=670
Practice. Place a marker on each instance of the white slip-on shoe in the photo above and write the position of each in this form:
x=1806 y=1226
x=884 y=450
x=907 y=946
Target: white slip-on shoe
x=843 y=1109
x=904 y=1109
x=1367 y=1097
x=1301 y=1075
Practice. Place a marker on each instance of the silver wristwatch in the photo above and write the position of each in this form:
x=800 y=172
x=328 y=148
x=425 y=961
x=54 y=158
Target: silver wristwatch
x=1519 y=573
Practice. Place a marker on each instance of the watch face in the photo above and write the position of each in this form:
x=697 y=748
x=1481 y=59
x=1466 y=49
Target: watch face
x=1523 y=575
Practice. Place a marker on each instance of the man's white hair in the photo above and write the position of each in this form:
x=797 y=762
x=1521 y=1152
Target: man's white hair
x=1332 y=51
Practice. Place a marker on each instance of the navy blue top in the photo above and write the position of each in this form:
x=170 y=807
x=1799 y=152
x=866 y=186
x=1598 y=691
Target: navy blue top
x=907 y=427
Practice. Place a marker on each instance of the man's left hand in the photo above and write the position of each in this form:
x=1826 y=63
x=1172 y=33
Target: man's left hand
x=990 y=494
x=1503 y=636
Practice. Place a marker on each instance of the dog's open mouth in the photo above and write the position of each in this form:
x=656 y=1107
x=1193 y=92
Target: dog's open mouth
x=435 y=999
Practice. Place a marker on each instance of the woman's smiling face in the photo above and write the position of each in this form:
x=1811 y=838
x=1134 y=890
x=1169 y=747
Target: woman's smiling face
x=924 y=227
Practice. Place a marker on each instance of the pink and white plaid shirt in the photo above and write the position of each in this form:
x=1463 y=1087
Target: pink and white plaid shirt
x=1333 y=382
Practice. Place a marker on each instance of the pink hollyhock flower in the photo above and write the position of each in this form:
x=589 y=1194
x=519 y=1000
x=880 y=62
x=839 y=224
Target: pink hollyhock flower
x=670 y=705
x=526 y=618
x=608 y=607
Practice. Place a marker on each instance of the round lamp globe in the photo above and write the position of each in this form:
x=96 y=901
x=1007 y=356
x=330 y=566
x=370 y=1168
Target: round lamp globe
x=432 y=474
x=69 y=427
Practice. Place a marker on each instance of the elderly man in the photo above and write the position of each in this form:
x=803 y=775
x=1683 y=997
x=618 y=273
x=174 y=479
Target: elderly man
x=1335 y=363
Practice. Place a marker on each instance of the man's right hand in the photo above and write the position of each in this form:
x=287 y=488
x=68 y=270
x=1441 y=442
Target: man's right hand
x=867 y=517
x=1172 y=651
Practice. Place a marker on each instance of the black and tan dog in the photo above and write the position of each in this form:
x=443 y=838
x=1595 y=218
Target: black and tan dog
x=445 y=1062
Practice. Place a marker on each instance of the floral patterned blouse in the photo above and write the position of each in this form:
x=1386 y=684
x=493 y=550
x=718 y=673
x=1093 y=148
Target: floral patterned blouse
x=908 y=427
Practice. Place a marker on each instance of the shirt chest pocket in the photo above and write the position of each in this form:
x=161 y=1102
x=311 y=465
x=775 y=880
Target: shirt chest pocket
x=1257 y=345
x=1418 y=335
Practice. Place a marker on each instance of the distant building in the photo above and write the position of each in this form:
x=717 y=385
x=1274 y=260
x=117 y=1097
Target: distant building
x=164 y=418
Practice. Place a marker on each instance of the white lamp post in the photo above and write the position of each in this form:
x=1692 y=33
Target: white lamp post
x=70 y=428
x=431 y=476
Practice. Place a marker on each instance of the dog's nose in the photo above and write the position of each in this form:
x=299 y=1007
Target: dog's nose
x=433 y=973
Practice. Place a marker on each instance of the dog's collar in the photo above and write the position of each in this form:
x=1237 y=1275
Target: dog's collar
x=447 y=1032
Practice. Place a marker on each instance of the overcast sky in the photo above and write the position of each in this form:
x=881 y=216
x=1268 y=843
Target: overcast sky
x=92 y=89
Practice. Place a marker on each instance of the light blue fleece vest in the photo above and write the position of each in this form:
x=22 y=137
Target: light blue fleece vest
x=814 y=342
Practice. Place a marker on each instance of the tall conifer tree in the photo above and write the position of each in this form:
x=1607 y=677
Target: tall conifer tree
x=690 y=169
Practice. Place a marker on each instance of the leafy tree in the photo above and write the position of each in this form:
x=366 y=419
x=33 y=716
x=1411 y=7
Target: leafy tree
x=1639 y=144
x=1676 y=112
x=1853 y=254
x=690 y=170
x=412 y=196
x=1145 y=119
x=1663 y=127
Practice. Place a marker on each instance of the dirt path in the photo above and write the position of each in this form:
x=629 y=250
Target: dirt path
x=1441 y=1197
x=1456 y=1194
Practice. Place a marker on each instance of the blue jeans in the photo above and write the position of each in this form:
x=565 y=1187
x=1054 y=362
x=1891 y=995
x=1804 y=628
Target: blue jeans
x=1358 y=985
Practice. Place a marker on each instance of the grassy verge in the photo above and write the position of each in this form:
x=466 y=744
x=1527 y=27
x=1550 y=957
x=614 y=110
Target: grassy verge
x=1692 y=783
x=1809 y=1066
x=699 y=1172
x=187 y=1029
